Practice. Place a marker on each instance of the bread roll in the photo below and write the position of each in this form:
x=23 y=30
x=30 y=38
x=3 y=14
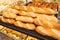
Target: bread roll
x=30 y=14
x=25 y=25
x=9 y=15
x=36 y=9
x=24 y=19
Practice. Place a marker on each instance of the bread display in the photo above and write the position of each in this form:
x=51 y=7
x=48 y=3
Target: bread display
x=24 y=19
x=36 y=9
x=14 y=34
x=29 y=26
x=37 y=16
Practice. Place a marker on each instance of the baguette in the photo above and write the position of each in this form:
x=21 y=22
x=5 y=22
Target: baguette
x=9 y=15
x=44 y=21
x=25 y=25
x=11 y=10
x=11 y=21
x=36 y=9
x=47 y=21
x=50 y=18
x=29 y=14
x=50 y=32
x=53 y=18
x=24 y=19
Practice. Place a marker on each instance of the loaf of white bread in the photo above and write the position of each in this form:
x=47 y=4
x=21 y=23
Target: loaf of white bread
x=47 y=21
x=24 y=19
x=36 y=9
x=47 y=31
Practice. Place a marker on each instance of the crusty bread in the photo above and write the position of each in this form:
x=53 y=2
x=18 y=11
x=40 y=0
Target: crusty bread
x=36 y=9
x=25 y=25
x=24 y=19
x=47 y=31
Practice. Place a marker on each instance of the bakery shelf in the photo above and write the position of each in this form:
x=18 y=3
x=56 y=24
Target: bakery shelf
x=28 y=32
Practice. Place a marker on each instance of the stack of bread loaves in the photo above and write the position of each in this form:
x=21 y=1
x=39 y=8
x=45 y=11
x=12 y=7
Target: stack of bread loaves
x=32 y=17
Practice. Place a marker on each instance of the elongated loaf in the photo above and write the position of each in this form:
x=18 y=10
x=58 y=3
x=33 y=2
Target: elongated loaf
x=48 y=17
x=24 y=19
x=48 y=21
x=50 y=32
x=53 y=18
x=11 y=10
x=25 y=25
x=30 y=14
x=11 y=21
x=41 y=20
x=36 y=9
x=9 y=15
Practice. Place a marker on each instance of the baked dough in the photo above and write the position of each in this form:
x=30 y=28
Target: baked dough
x=29 y=14
x=9 y=15
x=11 y=21
x=47 y=31
x=36 y=9
x=25 y=25
x=24 y=19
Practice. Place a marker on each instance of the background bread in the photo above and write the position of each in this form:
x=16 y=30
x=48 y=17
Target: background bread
x=36 y=9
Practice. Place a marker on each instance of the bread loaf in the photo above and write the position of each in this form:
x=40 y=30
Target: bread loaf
x=9 y=15
x=24 y=19
x=25 y=25
x=50 y=32
x=29 y=14
x=11 y=21
x=36 y=9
